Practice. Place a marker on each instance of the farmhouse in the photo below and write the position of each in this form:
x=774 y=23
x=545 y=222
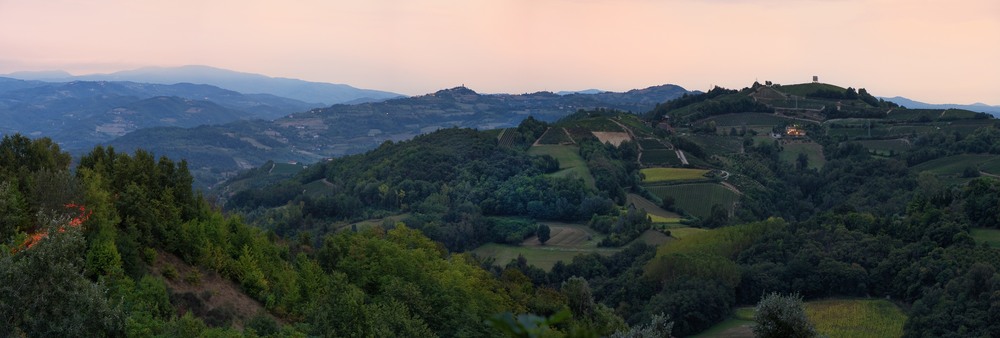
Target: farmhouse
x=795 y=131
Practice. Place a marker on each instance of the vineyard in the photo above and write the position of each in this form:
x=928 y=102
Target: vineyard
x=506 y=138
x=555 y=135
x=650 y=144
x=660 y=157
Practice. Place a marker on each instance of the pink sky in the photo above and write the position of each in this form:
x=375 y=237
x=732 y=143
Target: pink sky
x=933 y=51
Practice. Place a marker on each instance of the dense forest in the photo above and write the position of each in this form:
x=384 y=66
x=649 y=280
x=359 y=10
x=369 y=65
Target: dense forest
x=107 y=244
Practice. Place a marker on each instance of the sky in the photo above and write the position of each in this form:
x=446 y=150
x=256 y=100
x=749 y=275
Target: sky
x=931 y=51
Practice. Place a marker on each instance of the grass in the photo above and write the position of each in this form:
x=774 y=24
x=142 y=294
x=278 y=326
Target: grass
x=570 y=162
x=697 y=198
x=856 y=318
x=988 y=236
x=812 y=149
x=656 y=175
x=832 y=318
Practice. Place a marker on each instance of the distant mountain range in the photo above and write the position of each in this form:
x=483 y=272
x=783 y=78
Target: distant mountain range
x=247 y=83
x=80 y=114
x=348 y=129
x=976 y=107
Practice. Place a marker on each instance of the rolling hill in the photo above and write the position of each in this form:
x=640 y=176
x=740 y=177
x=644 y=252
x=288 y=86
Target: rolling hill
x=80 y=114
x=248 y=83
x=348 y=129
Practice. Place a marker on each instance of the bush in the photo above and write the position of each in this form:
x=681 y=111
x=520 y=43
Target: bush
x=782 y=316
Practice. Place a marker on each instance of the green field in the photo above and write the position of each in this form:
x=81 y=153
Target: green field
x=953 y=166
x=658 y=175
x=697 y=198
x=570 y=162
x=988 y=236
x=832 y=318
x=812 y=149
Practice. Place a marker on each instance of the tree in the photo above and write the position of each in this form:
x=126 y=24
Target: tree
x=543 y=233
x=782 y=316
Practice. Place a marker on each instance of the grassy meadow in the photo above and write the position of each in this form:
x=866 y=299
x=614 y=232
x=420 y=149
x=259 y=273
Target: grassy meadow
x=697 y=198
x=570 y=162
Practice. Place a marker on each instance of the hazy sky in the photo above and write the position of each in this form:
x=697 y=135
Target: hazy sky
x=936 y=51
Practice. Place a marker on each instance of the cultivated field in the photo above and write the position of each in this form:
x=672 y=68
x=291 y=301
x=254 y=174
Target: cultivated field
x=697 y=198
x=659 y=175
x=615 y=138
x=570 y=162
